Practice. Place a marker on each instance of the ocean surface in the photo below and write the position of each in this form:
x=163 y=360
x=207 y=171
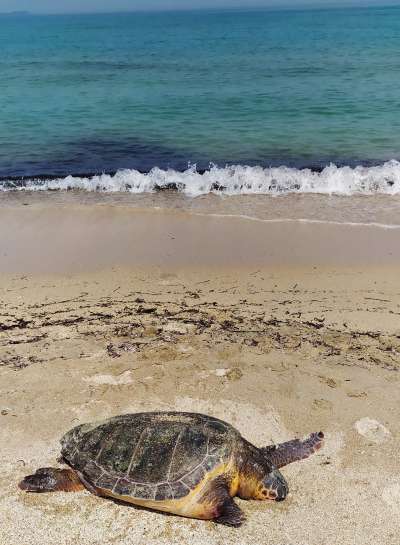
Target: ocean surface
x=231 y=103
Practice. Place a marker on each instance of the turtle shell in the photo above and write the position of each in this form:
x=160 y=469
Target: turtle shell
x=149 y=456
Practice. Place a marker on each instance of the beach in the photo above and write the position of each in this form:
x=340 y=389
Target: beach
x=281 y=328
x=200 y=212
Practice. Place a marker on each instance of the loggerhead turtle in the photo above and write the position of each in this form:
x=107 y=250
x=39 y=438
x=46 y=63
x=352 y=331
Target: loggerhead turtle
x=183 y=463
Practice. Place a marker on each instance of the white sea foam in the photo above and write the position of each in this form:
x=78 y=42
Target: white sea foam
x=234 y=180
x=343 y=223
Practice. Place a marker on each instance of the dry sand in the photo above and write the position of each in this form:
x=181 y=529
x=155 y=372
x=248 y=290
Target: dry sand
x=279 y=348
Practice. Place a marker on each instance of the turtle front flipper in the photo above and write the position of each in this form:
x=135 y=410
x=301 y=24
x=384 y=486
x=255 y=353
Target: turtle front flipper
x=292 y=451
x=50 y=479
x=220 y=506
x=231 y=514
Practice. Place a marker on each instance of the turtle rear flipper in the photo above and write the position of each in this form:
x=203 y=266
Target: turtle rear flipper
x=50 y=479
x=292 y=451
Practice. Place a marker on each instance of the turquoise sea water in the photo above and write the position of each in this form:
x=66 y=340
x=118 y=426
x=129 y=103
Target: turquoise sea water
x=99 y=93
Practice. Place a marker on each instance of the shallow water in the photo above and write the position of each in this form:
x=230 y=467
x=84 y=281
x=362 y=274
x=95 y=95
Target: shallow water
x=93 y=93
x=375 y=210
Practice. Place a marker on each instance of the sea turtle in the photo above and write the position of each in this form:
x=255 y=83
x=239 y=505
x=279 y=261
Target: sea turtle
x=183 y=463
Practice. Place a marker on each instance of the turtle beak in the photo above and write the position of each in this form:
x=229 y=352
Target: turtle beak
x=277 y=485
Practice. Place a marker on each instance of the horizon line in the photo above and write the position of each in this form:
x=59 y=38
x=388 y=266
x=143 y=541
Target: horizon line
x=287 y=7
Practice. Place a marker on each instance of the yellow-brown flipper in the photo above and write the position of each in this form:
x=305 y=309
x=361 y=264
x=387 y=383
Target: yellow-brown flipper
x=220 y=503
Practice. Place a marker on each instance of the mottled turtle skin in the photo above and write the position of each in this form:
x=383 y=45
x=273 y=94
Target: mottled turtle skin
x=182 y=463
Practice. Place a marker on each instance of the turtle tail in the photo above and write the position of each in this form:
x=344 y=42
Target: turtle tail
x=292 y=451
x=50 y=479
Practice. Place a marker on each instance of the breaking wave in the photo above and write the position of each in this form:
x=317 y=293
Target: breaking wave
x=230 y=180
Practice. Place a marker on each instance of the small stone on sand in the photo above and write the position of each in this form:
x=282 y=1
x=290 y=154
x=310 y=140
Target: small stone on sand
x=372 y=430
x=391 y=496
x=124 y=378
x=175 y=327
x=230 y=373
x=221 y=372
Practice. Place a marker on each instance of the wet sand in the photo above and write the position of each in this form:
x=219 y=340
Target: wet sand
x=280 y=329
x=59 y=239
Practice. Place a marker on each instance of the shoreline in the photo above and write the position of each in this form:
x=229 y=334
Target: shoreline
x=313 y=166
x=230 y=179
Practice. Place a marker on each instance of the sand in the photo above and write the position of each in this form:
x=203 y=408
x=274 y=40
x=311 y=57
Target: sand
x=73 y=238
x=279 y=345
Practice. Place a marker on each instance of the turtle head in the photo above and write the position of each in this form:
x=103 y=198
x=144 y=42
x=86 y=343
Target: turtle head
x=272 y=487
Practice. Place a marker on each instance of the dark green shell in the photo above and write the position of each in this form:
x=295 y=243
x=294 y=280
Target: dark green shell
x=149 y=456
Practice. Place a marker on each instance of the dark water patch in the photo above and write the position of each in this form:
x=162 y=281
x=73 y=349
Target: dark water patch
x=90 y=157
